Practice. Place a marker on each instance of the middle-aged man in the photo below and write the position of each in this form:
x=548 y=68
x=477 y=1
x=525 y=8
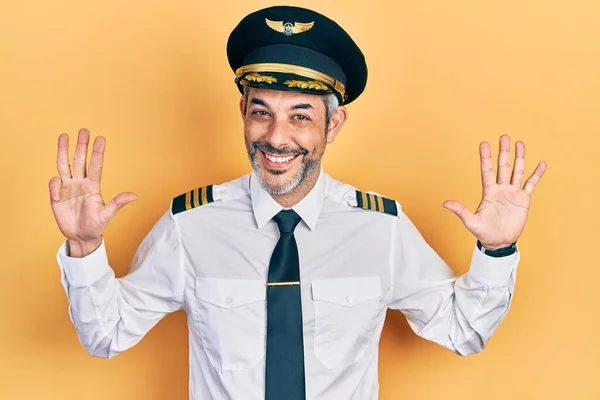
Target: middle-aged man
x=286 y=274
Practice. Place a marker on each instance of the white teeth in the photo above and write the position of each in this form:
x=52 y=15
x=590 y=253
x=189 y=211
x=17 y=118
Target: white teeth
x=279 y=159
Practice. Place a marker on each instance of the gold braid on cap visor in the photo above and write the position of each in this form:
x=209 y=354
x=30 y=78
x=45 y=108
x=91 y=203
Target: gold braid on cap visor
x=296 y=70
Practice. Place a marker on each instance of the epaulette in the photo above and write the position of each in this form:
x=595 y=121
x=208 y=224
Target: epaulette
x=374 y=202
x=192 y=199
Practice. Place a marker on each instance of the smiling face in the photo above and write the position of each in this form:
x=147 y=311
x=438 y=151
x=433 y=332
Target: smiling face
x=286 y=134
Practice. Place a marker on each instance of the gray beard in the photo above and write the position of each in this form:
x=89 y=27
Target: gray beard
x=306 y=168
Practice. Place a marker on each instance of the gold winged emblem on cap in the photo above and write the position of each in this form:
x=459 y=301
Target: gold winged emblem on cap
x=288 y=28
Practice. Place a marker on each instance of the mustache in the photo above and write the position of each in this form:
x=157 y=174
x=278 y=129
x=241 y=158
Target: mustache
x=282 y=151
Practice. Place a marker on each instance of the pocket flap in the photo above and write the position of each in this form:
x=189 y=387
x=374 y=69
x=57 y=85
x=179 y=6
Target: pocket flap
x=229 y=293
x=346 y=291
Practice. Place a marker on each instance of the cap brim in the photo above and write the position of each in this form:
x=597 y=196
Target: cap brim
x=285 y=82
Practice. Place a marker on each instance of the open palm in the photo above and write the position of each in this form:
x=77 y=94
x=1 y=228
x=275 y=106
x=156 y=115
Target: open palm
x=501 y=215
x=76 y=199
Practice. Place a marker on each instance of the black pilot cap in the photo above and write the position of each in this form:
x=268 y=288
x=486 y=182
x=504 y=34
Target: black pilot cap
x=296 y=49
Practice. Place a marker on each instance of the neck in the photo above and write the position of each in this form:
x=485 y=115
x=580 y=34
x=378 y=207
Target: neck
x=292 y=198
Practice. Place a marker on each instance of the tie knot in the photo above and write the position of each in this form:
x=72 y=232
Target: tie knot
x=287 y=220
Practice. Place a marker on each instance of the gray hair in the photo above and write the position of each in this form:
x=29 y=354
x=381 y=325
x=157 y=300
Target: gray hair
x=331 y=106
x=331 y=102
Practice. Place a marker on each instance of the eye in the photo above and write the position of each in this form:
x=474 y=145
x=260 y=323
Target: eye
x=301 y=117
x=259 y=112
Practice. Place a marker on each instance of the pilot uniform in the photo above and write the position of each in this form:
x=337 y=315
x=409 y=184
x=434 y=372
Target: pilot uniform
x=344 y=257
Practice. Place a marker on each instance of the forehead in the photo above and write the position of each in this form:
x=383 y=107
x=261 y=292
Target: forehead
x=284 y=98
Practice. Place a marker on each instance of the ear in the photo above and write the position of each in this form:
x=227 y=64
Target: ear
x=337 y=122
x=242 y=106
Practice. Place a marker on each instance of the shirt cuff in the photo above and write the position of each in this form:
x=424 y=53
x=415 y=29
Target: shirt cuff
x=84 y=271
x=493 y=271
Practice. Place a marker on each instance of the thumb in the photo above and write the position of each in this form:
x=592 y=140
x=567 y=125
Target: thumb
x=466 y=216
x=54 y=187
x=118 y=202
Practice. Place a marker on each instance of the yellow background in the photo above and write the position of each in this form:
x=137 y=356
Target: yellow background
x=152 y=77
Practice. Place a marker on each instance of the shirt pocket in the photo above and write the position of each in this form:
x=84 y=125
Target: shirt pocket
x=345 y=315
x=231 y=318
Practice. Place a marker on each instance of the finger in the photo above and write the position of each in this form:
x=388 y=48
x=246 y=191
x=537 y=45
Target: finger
x=96 y=160
x=488 y=177
x=118 y=202
x=54 y=186
x=466 y=216
x=62 y=158
x=535 y=178
x=504 y=160
x=80 y=157
x=519 y=169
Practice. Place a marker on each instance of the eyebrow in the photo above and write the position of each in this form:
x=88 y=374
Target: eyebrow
x=258 y=102
x=303 y=106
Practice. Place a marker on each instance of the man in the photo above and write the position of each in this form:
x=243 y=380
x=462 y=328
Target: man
x=286 y=274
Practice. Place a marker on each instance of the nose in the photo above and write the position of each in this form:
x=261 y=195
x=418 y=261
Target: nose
x=278 y=135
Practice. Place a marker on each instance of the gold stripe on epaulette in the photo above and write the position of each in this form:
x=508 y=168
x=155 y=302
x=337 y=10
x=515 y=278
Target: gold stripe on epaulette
x=374 y=202
x=204 y=193
x=379 y=203
x=192 y=199
x=188 y=200
x=196 y=197
x=364 y=201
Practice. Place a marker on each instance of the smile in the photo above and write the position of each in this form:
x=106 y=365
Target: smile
x=278 y=161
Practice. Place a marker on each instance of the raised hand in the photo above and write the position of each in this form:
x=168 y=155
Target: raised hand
x=76 y=199
x=501 y=214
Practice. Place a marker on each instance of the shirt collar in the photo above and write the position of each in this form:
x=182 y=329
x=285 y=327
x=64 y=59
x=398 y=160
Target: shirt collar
x=309 y=208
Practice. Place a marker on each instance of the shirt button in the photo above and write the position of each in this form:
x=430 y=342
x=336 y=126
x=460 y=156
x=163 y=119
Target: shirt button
x=349 y=299
x=228 y=300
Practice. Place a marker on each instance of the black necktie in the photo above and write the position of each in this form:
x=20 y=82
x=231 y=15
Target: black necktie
x=285 y=347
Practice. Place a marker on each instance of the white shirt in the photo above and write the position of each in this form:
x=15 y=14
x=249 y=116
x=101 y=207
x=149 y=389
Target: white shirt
x=355 y=264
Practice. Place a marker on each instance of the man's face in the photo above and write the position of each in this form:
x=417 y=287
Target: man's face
x=285 y=135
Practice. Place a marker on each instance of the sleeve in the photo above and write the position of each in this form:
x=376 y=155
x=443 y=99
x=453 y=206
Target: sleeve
x=111 y=315
x=459 y=313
